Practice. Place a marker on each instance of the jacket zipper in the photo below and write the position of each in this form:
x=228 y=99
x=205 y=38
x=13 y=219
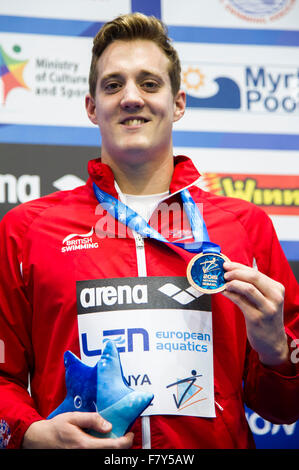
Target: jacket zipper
x=141 y=268
x=140 y=253
x=142 y=272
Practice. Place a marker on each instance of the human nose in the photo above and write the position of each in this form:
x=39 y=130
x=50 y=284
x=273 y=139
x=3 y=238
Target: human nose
x=131 y=98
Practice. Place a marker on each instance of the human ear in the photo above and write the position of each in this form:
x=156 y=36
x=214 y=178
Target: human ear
x=90 y=107
x=179 y=105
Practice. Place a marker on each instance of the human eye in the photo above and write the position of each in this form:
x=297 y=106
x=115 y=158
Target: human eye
x=111 y=87
x=150 y=85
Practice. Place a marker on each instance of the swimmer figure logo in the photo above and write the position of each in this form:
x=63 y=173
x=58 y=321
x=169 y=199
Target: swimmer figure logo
x=186 y=391
x=209 y=265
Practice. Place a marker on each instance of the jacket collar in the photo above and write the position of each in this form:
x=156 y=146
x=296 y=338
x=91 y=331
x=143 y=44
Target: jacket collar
x=184 y=175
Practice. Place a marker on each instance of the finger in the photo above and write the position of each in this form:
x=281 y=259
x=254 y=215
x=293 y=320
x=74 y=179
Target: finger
x=242 y=302
x=268 y=287
x=123 y=442
x=92 y=442
x=230 y=265
x=246 y=294
x=94 y=421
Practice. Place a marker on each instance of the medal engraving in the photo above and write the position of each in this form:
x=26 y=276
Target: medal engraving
x=205 y=272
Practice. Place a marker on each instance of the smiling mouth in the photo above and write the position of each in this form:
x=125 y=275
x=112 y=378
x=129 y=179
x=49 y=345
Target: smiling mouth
x=134 y=122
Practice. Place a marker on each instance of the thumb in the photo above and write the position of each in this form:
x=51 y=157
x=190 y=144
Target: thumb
x=90 y=420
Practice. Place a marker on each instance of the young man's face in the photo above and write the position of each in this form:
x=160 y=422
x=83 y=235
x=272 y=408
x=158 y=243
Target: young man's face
x=134 y=105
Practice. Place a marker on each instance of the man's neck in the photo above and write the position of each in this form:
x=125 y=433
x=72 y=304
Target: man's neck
x=148 y=178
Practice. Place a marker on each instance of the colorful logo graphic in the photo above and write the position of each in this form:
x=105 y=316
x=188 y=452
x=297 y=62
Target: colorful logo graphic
x=11 y=72
x=258 y=11
x=276 y=194
x=5 y=434
x=187 y=391
x=207 y=92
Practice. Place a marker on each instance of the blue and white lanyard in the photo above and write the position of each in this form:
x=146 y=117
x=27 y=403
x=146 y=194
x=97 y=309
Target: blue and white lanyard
x=134 y=221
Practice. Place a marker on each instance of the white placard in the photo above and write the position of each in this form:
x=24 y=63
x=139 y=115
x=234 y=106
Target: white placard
x=168 y=352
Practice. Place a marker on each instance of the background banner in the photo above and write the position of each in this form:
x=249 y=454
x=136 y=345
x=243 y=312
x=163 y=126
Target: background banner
x=241 y=127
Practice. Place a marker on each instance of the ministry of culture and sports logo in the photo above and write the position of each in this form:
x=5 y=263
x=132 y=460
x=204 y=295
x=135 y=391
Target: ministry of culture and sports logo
x=11 y=72
x=259 y=11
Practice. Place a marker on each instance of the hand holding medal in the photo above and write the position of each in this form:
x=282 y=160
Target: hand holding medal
x=261 y=301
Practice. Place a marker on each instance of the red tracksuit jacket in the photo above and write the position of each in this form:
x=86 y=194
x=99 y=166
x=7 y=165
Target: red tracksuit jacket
x=38 y=312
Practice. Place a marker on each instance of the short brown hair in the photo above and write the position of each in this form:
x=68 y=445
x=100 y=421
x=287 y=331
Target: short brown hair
x=131 y=27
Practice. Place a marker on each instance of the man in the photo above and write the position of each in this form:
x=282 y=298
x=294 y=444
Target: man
x=134 y=98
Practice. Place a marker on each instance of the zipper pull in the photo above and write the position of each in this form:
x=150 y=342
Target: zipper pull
x=139 y=240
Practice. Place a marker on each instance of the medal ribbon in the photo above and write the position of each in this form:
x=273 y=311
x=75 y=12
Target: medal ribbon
x=134 y=221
